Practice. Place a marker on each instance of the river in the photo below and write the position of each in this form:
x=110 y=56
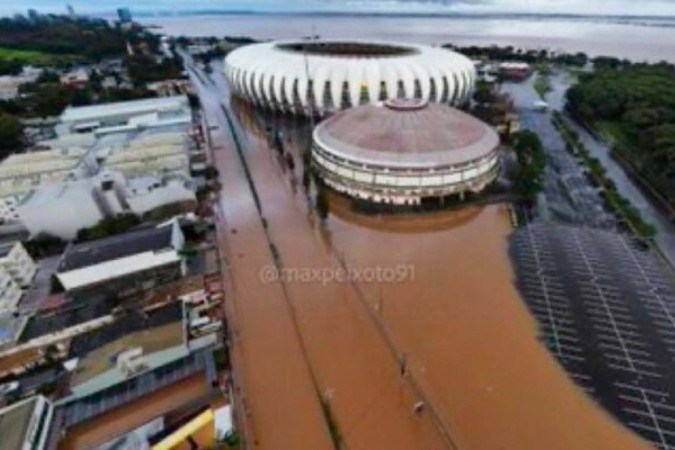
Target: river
x=642 y=39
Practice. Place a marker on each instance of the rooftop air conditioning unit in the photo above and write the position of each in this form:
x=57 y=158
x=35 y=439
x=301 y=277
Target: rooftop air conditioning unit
x=131 y=362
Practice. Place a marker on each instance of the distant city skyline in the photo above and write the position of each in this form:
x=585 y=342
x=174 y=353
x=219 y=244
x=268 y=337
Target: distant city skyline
x=603 y=7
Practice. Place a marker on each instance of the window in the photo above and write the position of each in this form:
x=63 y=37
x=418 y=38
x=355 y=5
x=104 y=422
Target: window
x=261 y=90
x=455 y=92
x=383 y=91
x=272 y=98
x=364 y=95
x=297 y=104
x=346 y=100
x=446 y=90
x=311 y=101
x=432 y=90
x=418 y=89
x=328 y=97
x=401 y=90
x=282 y=93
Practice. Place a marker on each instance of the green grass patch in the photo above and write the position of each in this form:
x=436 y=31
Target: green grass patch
x=34 y=57
x=542 y=85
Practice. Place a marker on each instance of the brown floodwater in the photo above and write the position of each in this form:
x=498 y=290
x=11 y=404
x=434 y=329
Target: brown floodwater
x=278 y=403
x=351 y=364
x=470 y=339
x=469 y=344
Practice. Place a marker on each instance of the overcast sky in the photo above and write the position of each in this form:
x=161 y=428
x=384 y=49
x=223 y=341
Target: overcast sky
x=613 y=7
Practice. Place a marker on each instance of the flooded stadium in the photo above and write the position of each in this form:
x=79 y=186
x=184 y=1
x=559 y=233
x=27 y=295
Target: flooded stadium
x=446 y=357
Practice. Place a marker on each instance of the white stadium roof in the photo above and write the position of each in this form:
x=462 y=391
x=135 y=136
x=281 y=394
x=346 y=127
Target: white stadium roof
x=346 y=73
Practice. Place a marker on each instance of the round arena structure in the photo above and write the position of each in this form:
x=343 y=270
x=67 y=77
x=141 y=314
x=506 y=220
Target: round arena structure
x=405 y=151
x=320 y=77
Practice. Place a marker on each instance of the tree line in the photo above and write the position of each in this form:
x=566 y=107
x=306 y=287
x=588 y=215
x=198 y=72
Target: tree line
x=635 y=105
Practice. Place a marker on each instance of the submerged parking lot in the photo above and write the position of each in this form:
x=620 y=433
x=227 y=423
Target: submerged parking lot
x=606 y=309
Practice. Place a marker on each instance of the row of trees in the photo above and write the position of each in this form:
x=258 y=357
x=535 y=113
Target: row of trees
x=11 y=134
x=614 y=201
x=10 y=66
x=636 y=104
x=93 y=39
x=145 y=68
x=510 y=53
x=528 y=179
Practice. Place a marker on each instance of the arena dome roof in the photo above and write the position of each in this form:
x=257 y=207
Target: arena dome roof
x=408 y=133
x=326 y=76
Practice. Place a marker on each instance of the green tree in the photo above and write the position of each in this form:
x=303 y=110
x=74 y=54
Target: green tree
x=529 y=177
x=11 y=133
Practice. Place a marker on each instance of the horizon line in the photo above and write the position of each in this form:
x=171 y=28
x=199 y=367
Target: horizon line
x=309 y=12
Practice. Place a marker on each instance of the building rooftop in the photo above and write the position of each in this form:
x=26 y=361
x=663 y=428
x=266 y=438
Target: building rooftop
x=115 y=247
x=25 y=164
x=124 y=326
x=75 y=312
x=14 y=423
x=89 y=113
x=154 y=332
x=406 y=132
x=6 y=248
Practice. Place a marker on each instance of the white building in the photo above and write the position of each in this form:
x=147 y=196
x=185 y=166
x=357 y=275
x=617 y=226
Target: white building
x=64 y=209
x=60 y=190
x=16 y=261
x=405 y=152
x=9 y=84
x=75 y=78
x=25 y=425
x=326 y=76
x=10 y=293
x=137 y=259
x=20 y=173
x=161 y=153
x=125 y=116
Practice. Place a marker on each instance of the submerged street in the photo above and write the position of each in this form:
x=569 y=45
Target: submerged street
x=319 y=365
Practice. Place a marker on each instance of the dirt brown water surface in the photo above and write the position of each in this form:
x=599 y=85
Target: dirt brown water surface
x=358 y=379
x=452 y=335
x=276 y=400
x=281 y=405
x=465 y=333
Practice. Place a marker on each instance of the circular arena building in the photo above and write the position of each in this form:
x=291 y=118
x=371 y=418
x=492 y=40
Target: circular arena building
x=405 y=151
x=321 y=77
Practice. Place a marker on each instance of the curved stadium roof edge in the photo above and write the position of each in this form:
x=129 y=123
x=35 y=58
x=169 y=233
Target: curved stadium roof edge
x=338 y=74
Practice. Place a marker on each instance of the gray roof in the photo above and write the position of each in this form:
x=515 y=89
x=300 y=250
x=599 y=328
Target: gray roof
x=18 y=235
x=5 y=248
x=115 y=247
x=133 y=107
x=14 y=422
